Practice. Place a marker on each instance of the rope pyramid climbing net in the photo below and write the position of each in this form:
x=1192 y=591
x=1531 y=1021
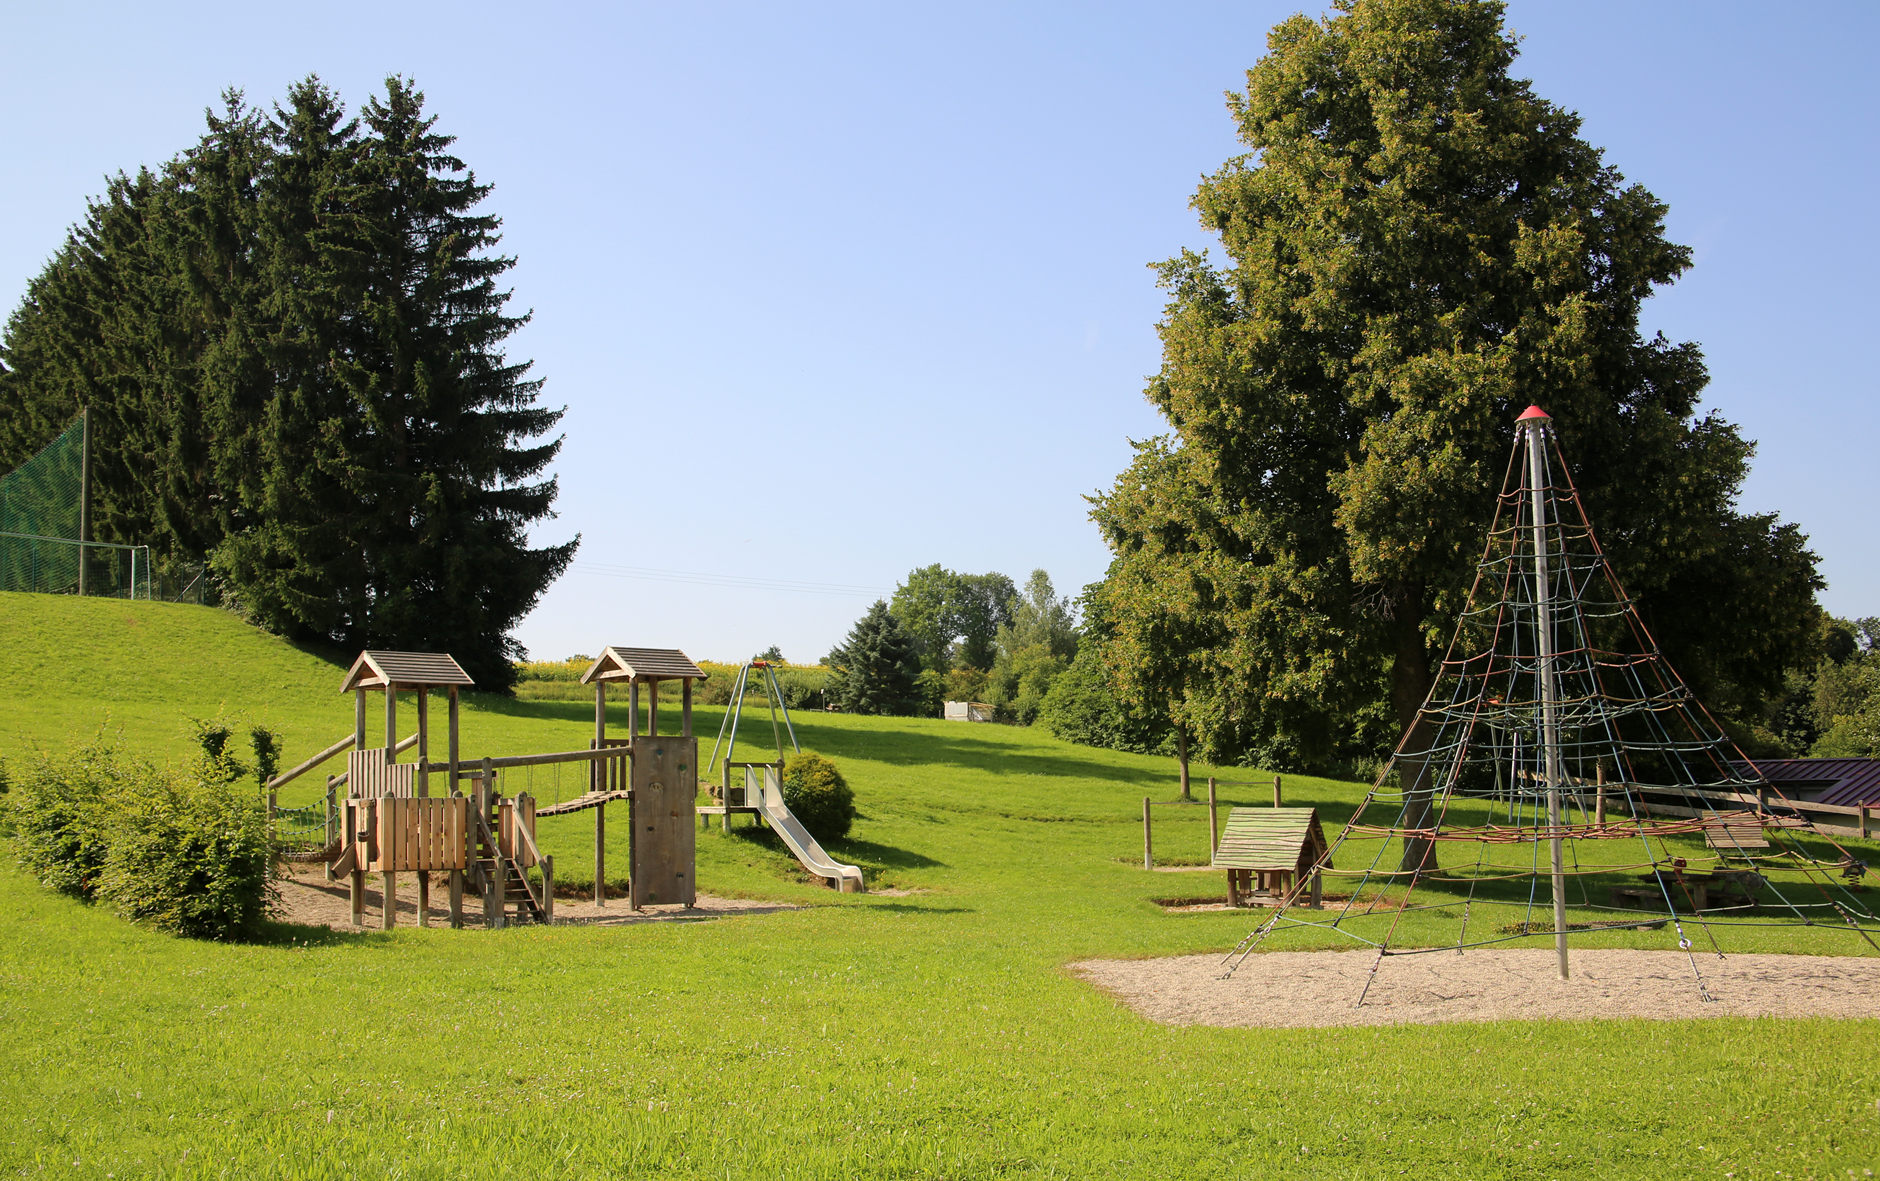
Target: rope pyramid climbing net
x=1557 y=747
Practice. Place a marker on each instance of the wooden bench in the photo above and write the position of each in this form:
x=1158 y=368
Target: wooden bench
x=1736 y=834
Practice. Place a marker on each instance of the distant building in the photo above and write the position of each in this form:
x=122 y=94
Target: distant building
x=968 y=711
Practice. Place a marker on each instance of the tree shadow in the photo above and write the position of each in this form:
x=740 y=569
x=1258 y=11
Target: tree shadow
x=276 y=933
x=909 y=908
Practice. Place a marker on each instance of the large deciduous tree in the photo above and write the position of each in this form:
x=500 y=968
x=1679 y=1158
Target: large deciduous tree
x=1418 y=246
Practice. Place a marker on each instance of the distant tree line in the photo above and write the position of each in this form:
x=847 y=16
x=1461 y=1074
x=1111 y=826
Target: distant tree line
x=291 y=338
x=957 y=637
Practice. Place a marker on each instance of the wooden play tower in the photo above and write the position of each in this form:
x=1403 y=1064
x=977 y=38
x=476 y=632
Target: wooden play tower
x=389 y=823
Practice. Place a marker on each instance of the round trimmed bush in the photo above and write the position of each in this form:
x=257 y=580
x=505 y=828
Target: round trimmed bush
x=818 y=795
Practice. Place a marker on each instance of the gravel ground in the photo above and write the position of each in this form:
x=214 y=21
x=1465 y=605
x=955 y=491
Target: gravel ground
x=1297 y=988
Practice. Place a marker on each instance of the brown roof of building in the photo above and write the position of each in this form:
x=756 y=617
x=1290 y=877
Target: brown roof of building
x=404 y=670
x=640 y=665
x=1845 y=783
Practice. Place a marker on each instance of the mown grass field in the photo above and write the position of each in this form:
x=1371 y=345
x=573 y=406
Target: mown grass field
x=928 y=1034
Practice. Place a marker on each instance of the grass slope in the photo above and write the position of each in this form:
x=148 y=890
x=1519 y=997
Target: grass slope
x=928 y=1035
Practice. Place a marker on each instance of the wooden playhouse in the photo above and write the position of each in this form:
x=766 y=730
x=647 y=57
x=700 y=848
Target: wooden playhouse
x=1269 y=853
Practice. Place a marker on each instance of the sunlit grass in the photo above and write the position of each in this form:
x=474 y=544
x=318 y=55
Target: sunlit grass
x=932 y=1033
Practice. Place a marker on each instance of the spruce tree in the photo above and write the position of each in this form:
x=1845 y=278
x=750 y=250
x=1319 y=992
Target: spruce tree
x=878 y=666
x=290 y=338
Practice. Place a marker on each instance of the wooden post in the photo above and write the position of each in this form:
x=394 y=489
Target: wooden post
x=500 y=878
x=1276 y=793
x=685 y=708
x=421 y=787
x=502 y=890
x=1863 y=822
x=391 y=723
x=451 y=774
x=1599 y=794
x=456 y=899
x=388 y=888
x=652 y=708
x=633 y=709
x=548 y=888
x=272 y=805
x=1148 y=847
x=358 y=897
x=359 y=724
x=600 y=853
x=1214 y=822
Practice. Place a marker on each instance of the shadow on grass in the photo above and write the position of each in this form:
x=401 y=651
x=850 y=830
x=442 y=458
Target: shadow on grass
x=883 y=856
x=279 y=934
x=910 y=908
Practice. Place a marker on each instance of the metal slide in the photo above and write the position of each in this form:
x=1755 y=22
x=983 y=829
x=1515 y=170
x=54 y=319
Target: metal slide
x=848 y=878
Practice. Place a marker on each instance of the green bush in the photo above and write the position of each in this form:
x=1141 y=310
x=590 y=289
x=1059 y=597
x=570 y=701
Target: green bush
x=57 y=811
x=817 y=795
x=186 y=852
x=190 y=854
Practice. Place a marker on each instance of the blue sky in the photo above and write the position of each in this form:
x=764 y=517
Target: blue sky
x=831 y=292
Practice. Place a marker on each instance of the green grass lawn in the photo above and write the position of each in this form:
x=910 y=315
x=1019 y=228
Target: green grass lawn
x=928 y=1034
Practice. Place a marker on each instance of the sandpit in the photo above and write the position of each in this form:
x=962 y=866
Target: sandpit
x=307 y=897
x=1292 y=989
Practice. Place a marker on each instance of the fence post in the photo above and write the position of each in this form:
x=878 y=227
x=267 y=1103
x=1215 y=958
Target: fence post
x=1148 y=848
x=1276 y=791
x=1214 y=823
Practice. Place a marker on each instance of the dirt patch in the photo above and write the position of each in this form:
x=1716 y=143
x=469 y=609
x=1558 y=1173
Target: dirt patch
x=307 y=897
x=1303 y=988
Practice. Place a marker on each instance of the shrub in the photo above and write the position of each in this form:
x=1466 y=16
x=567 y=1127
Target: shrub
x=189 y=853
x=814 y=790
x=57 y=809
x=186 y=852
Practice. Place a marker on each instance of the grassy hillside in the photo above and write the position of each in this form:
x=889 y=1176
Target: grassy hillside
x=926 y=1034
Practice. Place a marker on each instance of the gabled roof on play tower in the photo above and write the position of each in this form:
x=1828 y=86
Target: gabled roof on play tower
x=640 y=665
x=404 y=670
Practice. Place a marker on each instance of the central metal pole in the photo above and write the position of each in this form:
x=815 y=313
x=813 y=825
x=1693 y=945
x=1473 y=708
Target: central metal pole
x=1550 y=707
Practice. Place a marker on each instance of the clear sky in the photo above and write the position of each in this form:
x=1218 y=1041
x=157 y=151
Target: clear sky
x=831 y=292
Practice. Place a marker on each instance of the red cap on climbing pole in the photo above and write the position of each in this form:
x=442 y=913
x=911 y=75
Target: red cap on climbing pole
x=1533 y=412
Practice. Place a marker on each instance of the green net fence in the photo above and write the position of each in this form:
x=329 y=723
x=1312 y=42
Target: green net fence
x=40 y=512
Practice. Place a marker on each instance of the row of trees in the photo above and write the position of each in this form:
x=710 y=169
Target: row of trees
x=291 y=340
x=957 y=637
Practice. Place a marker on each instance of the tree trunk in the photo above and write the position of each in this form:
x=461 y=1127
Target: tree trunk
x=1410 y=682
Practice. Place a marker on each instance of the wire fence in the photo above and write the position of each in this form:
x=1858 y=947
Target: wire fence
x=42 y=524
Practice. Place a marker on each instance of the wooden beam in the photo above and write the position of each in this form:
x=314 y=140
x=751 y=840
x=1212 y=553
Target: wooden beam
x=391 y=723
x=424 y=747
x=451 y=753
x=286 y=777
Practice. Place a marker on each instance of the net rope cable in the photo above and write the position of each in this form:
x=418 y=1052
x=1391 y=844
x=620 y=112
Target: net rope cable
x=1472 y=769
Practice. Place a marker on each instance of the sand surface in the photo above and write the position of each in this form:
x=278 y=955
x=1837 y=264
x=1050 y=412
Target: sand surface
x=308 y=897
x=1299 y=988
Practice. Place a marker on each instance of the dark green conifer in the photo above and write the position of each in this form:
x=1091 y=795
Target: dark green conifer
x=878 y=665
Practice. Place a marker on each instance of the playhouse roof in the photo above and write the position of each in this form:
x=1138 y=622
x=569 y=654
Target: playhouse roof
x=403 y=670
x=1271 y=839
x=640 y=665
